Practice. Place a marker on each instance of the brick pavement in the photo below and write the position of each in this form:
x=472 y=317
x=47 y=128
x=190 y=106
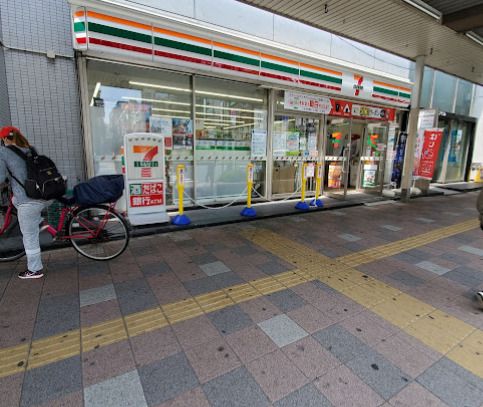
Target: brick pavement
x=272 y=312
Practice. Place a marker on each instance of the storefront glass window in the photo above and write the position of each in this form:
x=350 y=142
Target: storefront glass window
x=444 y=89
x=231 y=130
x=124 y=99
x=427 y=87
x=463 y=97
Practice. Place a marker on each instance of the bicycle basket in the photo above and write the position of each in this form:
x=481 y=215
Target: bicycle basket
x=100 y=189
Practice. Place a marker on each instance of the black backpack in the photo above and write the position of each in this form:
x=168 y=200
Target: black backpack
x=43 y=179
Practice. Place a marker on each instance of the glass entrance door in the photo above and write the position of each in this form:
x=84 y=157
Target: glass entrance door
x=373 y=158
x=336 y=157
x=294 y=141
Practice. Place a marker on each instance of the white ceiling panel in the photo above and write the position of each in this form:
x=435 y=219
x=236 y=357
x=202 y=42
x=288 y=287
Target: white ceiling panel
x=392 y=26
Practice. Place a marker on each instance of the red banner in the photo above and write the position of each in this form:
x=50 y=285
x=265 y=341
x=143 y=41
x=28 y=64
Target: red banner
x=429 y=153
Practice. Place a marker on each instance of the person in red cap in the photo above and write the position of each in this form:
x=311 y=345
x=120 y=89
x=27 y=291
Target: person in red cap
x=14 y=168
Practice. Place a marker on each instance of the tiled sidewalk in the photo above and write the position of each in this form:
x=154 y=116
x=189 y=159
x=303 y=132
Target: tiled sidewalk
x=252 y=334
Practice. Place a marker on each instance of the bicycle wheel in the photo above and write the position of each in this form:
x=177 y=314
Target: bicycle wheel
x=112 y=232
x=11 y=244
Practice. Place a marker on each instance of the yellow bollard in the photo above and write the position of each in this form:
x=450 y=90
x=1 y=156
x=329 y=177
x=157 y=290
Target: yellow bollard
x=318 y=185
x=248 y=211
x=302 y=205
x=181 y=219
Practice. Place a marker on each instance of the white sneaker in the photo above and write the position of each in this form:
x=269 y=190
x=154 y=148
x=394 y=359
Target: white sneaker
x=479 y=298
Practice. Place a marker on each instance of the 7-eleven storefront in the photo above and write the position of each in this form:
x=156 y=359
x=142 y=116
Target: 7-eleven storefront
x=222 y=101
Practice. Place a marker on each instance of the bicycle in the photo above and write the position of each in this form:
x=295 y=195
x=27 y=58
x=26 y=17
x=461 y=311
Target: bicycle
x=97 y=232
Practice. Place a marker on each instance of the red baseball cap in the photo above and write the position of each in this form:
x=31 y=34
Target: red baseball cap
x=8 y=131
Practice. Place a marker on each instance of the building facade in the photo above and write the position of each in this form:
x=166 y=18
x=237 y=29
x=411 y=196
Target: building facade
x=226 y=84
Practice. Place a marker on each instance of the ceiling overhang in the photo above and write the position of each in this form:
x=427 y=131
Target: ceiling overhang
x=399 y=27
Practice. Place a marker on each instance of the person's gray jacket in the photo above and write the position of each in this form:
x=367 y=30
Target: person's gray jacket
x=9 y=161
x=479 y=206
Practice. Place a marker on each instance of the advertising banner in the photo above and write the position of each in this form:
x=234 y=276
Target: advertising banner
x=343 y=108
x=304 y=102
x=429 y=153
x=145 y=178
x=426 y=121
x=397 y=168
x=369 y=176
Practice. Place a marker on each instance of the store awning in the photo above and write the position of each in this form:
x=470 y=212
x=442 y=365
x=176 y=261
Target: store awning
x=449 y=33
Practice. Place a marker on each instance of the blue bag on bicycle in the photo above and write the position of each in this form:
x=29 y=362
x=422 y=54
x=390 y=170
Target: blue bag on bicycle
x=98 y=190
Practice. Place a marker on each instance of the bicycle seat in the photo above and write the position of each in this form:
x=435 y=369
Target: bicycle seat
x=66 y=200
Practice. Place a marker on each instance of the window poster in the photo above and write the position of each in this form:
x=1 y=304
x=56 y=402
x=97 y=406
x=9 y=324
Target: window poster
x=182 y=133
x=293 y=143
x=259 y=143
x=161 y=125
x=279 y=143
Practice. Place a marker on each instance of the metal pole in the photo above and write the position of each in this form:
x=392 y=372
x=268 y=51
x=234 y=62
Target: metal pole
x=407 y=177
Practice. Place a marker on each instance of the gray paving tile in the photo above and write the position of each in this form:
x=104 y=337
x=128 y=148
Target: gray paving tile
x=235 y=389
x=453 y=384
x=180 y=236
x=282 y=330
x=297 y=219
x=433 y=267
x=466 y=276
x=57 y=314
x=425 y=220
x=324 y=287
x=392 y=228
x=307 y=396
x=230 y=319
x=51 y=381
x=204 y=258
x=120 y=391
x=93 y=268
x=227 y=279
x=286 y=300
x=405 y=257
x=406 y=278
x=338 y=213
x=134 y=296
x=97 y=295
x=273 y=267
x=377 y=372
x=354 y=246
x=246 y=250
x=471 y=250
x=155 y=269
x=349 y=237
x=201 y=285
x=167 y=378
x=341 y=343
x=418 y=254
x=212 y=269
x=458 y=257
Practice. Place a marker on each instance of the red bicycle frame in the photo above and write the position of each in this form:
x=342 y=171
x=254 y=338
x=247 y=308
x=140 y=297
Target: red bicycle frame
x=92 y=230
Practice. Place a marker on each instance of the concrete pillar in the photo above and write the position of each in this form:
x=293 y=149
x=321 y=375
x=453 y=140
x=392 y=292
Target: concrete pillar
x=407 y=177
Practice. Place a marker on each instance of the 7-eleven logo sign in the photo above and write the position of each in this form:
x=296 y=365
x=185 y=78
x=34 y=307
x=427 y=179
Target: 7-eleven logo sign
x=147 y=162
x=358 y=79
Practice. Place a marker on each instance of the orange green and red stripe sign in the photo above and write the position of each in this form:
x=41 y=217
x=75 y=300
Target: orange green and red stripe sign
x=391 y=93
x=100 y=31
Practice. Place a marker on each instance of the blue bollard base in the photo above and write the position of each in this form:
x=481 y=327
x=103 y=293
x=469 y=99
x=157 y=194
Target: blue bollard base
x=248 y=212
x=302 y=206
x=181 y=220
x=317 y=202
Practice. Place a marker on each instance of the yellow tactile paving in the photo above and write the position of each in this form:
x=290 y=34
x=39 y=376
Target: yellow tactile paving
x=402 y=310
x=145 y=321
x=438 y=330
x=103 y=334
x=54 y=348
x=13 y=360
x=469 y=353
